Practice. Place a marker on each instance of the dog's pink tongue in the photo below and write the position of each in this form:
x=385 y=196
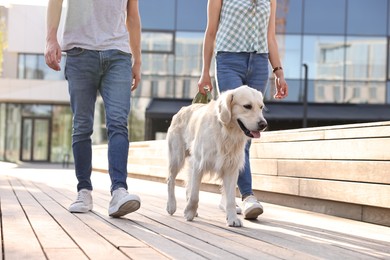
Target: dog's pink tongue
x=256 y=134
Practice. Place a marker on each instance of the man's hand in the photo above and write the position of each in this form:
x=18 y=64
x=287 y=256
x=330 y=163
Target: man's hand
x=53 y=55
x=136 y=75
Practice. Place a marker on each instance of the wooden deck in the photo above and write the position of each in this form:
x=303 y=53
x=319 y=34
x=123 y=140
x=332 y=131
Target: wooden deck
x=35 y=224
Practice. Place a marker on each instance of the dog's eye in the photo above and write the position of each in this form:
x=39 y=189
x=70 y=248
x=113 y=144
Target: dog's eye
x=261 y=107
x=248 y=106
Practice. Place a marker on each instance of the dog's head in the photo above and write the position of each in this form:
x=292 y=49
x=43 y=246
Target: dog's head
x=243 y=106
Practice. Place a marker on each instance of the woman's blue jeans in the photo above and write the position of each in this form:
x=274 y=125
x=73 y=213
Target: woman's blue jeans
x=110 y=73
x=234 y=69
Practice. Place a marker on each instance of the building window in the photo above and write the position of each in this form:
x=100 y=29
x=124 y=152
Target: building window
x=186 y=88
x=325 y=57
x=317 y=11
x=388 y=93
x=373 y=93
x=388 y=57
x=188 y=54
x=337 y=94
x=33 y=66
x=159 y=14
x=290 y=55
x=157 y=41
x=37 y=110
x=321 y=92
x=374 y=13
x=154 y=88
x=364 y=58
x=191 y=15
x=61 y=142
x=356 y=93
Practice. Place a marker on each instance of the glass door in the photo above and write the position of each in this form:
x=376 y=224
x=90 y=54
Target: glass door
x=35 y=139
x=26 y=139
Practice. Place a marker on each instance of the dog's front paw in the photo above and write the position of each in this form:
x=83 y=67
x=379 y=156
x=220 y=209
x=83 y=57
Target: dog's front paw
x=234 y=222
x=190 y=213
x=171 y=207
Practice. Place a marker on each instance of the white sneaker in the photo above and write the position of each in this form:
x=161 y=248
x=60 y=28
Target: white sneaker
x=123 y=203
x=222 y=204
x=252 y=207
x=83 y=202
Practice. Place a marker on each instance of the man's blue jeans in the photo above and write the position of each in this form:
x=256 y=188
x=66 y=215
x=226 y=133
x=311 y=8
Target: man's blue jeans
x=234 y=69
x=110 y=73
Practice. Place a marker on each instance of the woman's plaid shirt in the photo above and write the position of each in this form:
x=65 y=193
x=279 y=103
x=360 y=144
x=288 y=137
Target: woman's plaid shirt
x=243 y=26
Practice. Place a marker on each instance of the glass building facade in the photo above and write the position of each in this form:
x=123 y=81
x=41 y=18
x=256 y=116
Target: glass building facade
x=344 y=43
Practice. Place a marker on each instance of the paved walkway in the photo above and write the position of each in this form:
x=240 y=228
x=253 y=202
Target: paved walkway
x=35 y=224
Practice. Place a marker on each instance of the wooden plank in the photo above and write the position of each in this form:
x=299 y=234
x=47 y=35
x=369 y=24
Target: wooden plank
x=365 y=130
x=132 y=247
x=376 y=215
x=369 y=131
x=278 y=233
x=298 y=239
x=370 y=194
x=290 y=135
x=328 y=207
x=277 y=184
x=125 y=243
x=16 y=227
x=157 y=151
x=68 y=253
x=142 y=253
x=353 y=149
x=184 y=241
x=360 y=193
x=49 y=233
x=199 y=240
x=149 y=160
x=220 y=244
x=357 y=171
x=161 y=223
x=131 y=229
x=150 y=171
x=264 y=166
x=93 y=245
x=139 y=229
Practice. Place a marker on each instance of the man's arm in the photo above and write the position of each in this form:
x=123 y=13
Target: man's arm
x=53 y=49
x=133 y=23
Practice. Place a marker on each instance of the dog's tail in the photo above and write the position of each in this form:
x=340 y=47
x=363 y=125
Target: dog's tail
x=176 y=153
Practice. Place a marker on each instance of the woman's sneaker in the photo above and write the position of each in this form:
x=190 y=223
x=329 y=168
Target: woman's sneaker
x=252 y=207
x=83 y=202
x=123 y=203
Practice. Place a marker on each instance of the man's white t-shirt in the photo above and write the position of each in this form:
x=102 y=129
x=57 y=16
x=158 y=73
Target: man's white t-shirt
x=96 y=25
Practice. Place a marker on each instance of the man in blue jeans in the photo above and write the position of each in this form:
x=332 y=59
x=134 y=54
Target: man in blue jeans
x=102 y=43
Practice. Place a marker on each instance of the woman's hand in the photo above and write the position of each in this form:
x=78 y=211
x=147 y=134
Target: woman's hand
x=204 y=82
x=281 y=88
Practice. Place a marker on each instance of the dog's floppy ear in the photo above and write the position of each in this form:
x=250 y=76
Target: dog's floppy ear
x=225 y=107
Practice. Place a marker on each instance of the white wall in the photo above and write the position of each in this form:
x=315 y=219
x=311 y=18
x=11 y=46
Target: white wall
x=36 y=91
x=27 y=28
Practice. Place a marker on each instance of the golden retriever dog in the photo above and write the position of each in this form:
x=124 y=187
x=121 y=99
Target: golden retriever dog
x=213 y=136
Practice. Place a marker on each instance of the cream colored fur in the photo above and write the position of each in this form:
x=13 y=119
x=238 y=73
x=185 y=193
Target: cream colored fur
x=209 y=134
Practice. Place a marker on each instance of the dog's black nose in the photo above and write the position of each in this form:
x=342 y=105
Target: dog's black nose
x=262 y=125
